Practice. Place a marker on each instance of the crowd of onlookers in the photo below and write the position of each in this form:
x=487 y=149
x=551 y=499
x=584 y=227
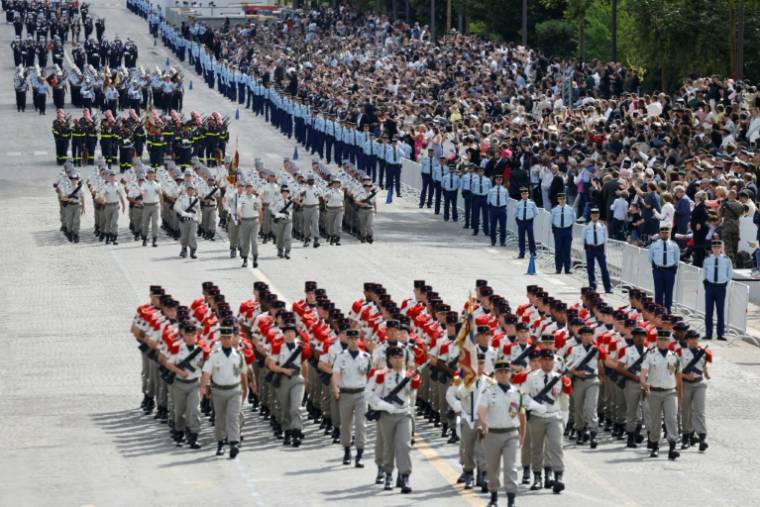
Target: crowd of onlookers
x=688 y=158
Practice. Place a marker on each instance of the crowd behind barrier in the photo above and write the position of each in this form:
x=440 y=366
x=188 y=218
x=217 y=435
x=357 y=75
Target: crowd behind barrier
x=627 y=263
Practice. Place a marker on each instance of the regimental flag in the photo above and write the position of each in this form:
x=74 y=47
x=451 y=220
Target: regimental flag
x=465 y=341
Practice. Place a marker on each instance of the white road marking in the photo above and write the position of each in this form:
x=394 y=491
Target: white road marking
x=40 y=153
x=13 y=154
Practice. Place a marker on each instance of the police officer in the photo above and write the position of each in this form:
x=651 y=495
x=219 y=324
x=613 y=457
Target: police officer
x=282 y=225
x=661 y=383
x=426 y=173
x=439 y=169
x=450 y=187
x=184 y=389
x=501 y=415
x=21 y=86
x=225 y=372
x=525 y=211
x=497 y=210
x=717 y=271
x=248 y=215
x=693 y=365
x=594 y=240
x=480 y=185
x=562 y=219
x=349 y=380
x=187 y=206
x=664 y=255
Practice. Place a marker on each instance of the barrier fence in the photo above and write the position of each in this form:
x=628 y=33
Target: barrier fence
x=628 y=264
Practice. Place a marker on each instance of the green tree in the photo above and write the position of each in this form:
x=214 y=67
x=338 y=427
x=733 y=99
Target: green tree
x=556 y=37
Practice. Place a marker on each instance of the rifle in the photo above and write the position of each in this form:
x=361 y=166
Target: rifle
x=692 y=366
x=72 y=194
x=183 y=365
x=367 y=199
x=392 y=397
x=190 y=209
x=284 y=209
x=276 y=378
x=634 y=368
x=519 y=359
x=211 y=194
x=447 y=370
x=583 y=365
x=543 y=394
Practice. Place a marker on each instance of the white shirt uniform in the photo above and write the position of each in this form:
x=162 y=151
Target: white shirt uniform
x=249 y=206
x=182 y=205
x=661 y=369
x=196 y=362
x=334 y=198
x=224 y=370
x=465 y=400
x=390 y=379
x=110 y=192
x=150 y=191
x=579 y=353
x=310 y=196
x=535 y=383
x=353 y=369
x=687 y=355
x=268 y=192
x=503 y=407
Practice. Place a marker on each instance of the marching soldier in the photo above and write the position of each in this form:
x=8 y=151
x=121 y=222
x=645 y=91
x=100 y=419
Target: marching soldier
x=525 y=211
x=717 y=271
x=187 y=365
x=661 y=383
x=349 y=380
x=549 y=388
x=187 y=206
x=693 y=363
x=230 y=205
x=501 y=415
x=310 y=214
x=562 y=219
x=629 y=366
x=334 y=199
x=152 y=200
x=288 y=363
x=395 y=422
x=110 y=195
x=584 y=363
x=247 y=216
x=72 y=199
x=225 y=373
x=62 y=135
x=208 y=208
x=365 y=201
x=282 y=223
x=594 y=239
x=664 y=255
x=134 y=197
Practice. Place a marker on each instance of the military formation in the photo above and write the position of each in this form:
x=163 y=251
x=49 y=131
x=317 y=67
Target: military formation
x=511 y=388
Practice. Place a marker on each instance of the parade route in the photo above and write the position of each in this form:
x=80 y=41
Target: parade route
x=70 y=384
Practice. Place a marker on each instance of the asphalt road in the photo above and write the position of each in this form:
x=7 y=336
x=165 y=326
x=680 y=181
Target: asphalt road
x=69 y=386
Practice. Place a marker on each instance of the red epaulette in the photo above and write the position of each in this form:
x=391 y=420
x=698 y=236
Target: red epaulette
x=248 y=355
x=567 y=385
x=519 y=378
x=708 y=356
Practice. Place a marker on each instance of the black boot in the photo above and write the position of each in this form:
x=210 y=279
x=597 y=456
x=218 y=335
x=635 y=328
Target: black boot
x=155 y=242
x=558 y=484
x=183 y=252
x=568 y=428
x=178 y=436
x=494 y=499
x=686 y=440
x=255 y=261
x=592 y=440
x=144 y=402
x=336 y=435
x=548 y=481
x=655 y=449
x=233 y=253
x=145 y=241
x=703 y=442
x=150 y=404
x=220 y=448
x=469 y=480
x=192 y=440
x=631 y=441
x=108 y=239
x=316 y=243
x=445 y=430
x=287 y=439
x=672 y=453
x=406 y=487
x=437 y=420
x=346 y=455
x=297 y=437
x=192 y=254
x=388 y=482
x=454 y=438
x=113 y=239
x=482 y=481
x=358 y=462
x=511 y=499
x=537 y=483
x=245 y=263
x=234 y=449
x=526 y=475
x=159 y=411
x=380 y=477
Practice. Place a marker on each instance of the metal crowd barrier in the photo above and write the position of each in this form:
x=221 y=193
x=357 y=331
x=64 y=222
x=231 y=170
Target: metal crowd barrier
x=627 y=264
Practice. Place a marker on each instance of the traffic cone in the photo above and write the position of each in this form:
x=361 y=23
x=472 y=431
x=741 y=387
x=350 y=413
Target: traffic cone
x=167 y=61
x=237 y=114
x=389 y=199
x=532 y=265
x=190 y=85
x=295 y=153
